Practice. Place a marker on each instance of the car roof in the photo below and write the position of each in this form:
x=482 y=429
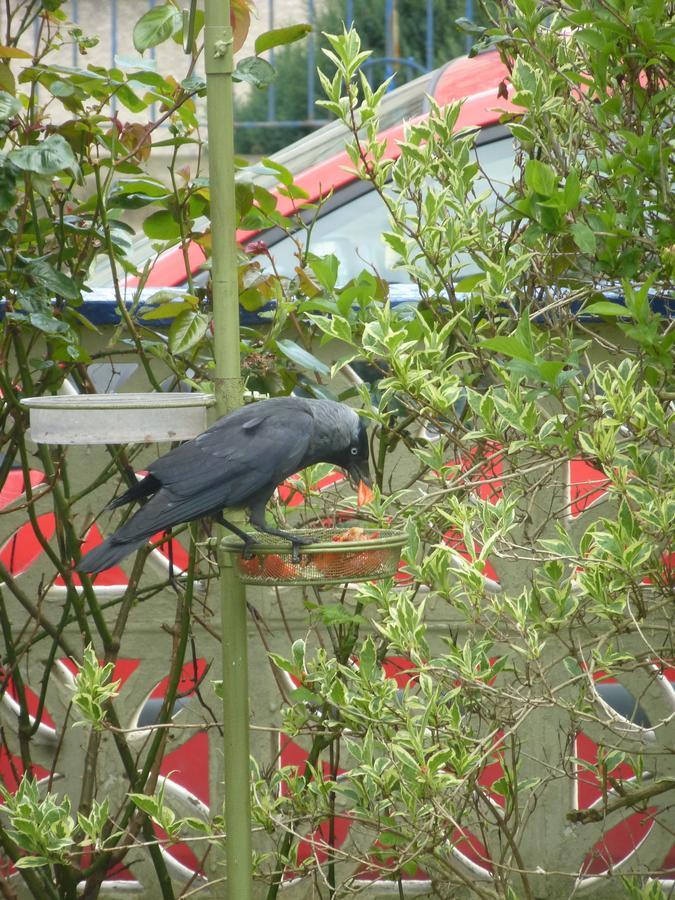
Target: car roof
x=399 y=104
x=474 y=80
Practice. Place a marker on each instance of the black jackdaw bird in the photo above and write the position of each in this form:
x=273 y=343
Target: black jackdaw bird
x=238 y=462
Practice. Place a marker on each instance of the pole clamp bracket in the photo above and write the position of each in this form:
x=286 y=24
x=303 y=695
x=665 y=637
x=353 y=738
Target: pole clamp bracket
x=218 y=43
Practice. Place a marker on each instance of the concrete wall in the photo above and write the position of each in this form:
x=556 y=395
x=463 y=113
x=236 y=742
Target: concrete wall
x=193 y=763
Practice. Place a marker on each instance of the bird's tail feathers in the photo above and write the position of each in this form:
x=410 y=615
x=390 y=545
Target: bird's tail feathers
x=106 y=555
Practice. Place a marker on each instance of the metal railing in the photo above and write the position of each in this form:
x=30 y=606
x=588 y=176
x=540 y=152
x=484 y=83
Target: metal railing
x=114 y=26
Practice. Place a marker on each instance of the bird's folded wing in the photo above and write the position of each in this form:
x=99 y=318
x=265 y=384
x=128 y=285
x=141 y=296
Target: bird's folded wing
x=235 y=459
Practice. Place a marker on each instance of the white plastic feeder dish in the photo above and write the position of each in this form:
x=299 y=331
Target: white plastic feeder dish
x=117 y=418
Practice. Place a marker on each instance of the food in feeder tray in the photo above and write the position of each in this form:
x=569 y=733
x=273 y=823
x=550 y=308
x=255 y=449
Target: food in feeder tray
x=272 y=566
x=354 y=534
x=358 y=563
x=343 y=565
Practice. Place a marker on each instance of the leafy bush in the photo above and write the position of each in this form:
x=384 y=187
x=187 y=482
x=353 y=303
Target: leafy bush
x=520 y=365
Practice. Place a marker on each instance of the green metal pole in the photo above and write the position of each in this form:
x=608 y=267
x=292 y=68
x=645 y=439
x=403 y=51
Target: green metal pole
x=228 y=393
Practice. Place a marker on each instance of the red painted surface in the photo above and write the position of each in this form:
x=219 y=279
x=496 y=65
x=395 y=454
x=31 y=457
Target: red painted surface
x=469 y=846
x=618 y=843
x=12 y=770
x=486 y=465
x=123 y=669
x=169 y=269
x=493 y=770
x=667 y=869
x=188 y=766
x=32 y=699
x=455 y=541
x=587 y=485
x=589 y=788
x=191 y=676
x=172 y=550
x=23 y=548
x=400 y=669
x=667 y=672
x=181 y=852
x=113 y=577
x=318 y=844
x=476 y=78
x=15 y=485
x=667 y=573
x=623 y=839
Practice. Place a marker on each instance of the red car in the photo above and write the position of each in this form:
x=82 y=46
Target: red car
x=351 y=221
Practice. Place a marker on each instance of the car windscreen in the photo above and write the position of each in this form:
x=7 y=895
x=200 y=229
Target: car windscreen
x=398 y=105
x=351 y=229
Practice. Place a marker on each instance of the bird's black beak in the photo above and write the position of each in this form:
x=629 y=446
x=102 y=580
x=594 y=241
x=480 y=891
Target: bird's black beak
x=360 y=471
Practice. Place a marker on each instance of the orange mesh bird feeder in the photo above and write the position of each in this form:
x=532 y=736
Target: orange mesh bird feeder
x=335 y=556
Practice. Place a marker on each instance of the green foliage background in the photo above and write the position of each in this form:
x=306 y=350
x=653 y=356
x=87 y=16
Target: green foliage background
x=555 y=347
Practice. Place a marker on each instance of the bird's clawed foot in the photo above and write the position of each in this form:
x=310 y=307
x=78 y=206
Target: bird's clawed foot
x=248 y=551
x=249 y=548
x=249 y=541
x=296 y=543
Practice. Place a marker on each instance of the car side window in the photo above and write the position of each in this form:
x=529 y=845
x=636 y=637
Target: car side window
x=353 y=230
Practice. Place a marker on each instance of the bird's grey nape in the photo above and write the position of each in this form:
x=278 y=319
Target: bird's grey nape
x=336 y=425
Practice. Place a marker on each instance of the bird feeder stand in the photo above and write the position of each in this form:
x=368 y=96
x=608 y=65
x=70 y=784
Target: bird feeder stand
x=218 y=49
x=145 y=418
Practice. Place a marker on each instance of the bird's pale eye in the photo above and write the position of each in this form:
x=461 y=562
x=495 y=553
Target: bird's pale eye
x=354 y=451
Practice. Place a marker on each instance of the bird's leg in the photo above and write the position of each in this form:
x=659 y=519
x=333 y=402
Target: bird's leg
x=247 y=539
x=297 y=540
